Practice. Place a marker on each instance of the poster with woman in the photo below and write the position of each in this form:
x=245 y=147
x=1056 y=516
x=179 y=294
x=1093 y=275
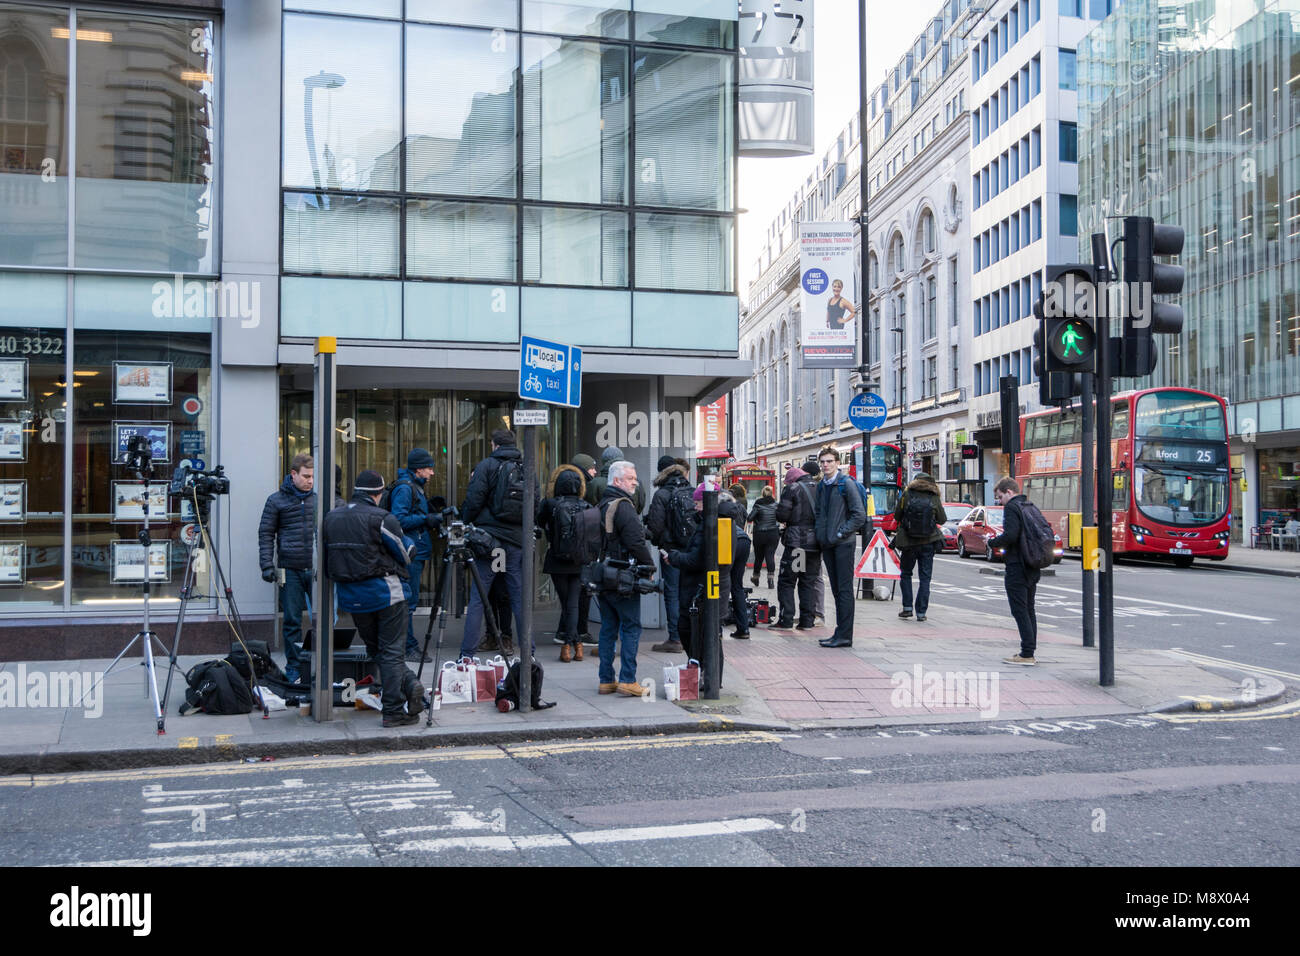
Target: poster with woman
x=828 y=327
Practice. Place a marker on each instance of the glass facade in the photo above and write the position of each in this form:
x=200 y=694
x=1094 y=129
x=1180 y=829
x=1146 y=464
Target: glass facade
x=1194 y=119
x=456 y=148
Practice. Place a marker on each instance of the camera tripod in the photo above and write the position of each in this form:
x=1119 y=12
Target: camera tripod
x=455 y=562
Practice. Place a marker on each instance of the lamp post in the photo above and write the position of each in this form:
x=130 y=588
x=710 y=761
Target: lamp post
x=321 y=81
x=902 y=403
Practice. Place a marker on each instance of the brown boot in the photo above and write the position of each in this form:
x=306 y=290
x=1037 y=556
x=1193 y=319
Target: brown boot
x=577 y=650
x=566 y=653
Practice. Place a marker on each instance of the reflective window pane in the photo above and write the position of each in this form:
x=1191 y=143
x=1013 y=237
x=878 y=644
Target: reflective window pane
x=162 y=304
x=341 y=103
x=688 y=22
x=684 y=252
x=578 y=316
x=683 y=129
x=481 y=13
x=602 y=18
x=462 y=312
x=455 y=240
x=33 y=133
x=326 y=234
x=347 y=308
x=575 y=121
x=575 y=247
x=390 y=9
x=146 y=144
x=460 y=117
x=669 y=320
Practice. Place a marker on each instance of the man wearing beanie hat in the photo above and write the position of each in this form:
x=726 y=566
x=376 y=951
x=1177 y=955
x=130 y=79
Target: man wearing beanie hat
x=596 y=487
x=812 y=475
x=408 y=502
x=286 y=539
x=669 y=523
x=366 y=555
x=800 y=560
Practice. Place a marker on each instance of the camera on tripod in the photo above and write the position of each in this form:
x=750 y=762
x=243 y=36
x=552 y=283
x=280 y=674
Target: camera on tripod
x=454 y=532
x=625 y=577
x=189 y=482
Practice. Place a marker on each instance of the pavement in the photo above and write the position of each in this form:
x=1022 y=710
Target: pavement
x=944 y=670
x=1259 y=561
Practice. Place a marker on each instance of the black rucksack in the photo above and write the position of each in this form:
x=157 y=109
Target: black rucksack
x=509 y=688
x=575 y=530
x=386 y=502
x=918 y=516
x=507 y=503
x=215 y=687
x=263 y=663
x=1037 y=541
x=681 y=517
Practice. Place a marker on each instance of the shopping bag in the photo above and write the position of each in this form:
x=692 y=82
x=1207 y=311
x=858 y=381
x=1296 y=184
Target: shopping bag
x=456 y=683
x=688 y=680
x=502 y=669
x=485 y=681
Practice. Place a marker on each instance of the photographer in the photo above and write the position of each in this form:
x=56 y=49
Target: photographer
x=620 y=617
x=366 y=555
x=407 y=502
x=288 y=527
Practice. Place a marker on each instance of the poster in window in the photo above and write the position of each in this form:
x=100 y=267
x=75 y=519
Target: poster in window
x=128 y=501
x=12 y=565
x=13 y=501
x=158 y=433
x=142 y=383
x=130 y=560
x=13 y=380
x=13 y=441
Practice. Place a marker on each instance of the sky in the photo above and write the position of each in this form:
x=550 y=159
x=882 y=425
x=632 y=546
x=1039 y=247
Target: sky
x=766 y=185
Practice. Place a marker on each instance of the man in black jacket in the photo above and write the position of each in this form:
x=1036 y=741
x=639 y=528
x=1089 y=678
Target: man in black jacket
x=841 y=513
x=801 y=562
x=1020 y=582
x=671 y=482
x=491 y=482
x=288 y=527
x=620 y=617
x=812 y=475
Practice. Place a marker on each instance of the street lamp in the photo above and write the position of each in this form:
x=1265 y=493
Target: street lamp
x=321 y=81
x=898 y=330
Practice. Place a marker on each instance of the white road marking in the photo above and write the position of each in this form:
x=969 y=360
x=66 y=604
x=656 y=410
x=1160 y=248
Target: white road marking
x=1181 y=607
x=592 y=837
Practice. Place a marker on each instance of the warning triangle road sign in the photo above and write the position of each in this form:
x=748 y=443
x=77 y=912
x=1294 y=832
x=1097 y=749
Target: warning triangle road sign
x=879 y=560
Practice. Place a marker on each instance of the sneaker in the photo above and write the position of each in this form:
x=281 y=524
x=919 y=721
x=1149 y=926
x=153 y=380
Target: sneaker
x=782 y=626
x=577 y=650
x=401 y=720
x=920 y=617
x=415 y=699
x=558 y=639
x=630 y=690
x=608 y=688
x=905 y=612
x=566 y=654
x=668 y=647
x=588 y=639
x=1017 y=659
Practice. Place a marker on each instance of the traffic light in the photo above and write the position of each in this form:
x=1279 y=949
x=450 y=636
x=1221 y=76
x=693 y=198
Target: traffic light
x=1065 y=342
x=1144 y=279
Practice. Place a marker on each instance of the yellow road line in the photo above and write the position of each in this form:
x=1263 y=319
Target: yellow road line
x=1275 y=712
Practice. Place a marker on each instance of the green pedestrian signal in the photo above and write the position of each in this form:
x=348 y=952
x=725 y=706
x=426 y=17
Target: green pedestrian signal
x=1073 y=342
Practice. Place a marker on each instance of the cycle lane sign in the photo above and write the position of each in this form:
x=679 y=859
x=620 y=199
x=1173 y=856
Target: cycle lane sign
x=550 y=372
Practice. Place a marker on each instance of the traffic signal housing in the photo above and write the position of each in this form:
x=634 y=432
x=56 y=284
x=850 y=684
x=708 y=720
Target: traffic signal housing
x=1065 y=342
x=1144 y=279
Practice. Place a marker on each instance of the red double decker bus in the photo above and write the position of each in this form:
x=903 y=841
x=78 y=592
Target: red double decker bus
x=752 y=476
x=887 y=479
x=1170 y=487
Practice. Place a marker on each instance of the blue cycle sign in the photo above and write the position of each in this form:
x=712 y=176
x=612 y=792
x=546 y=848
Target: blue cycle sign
x=550 y=372
x=867 y=411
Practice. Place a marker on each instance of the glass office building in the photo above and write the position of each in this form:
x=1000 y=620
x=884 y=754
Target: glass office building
x=191 y=193
x=1190 y=114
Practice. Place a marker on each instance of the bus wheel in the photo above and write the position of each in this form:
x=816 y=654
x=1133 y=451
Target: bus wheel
x=1182 y=561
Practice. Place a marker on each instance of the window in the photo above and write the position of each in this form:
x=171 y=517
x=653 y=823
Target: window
x=1035 y=76
x=931 y=290
x=1035 y=148
x=931 y=379
x=1069 y=142
x=1037 y=220
x=1069 y=215
x=1066 y=70
x=952 y=292
x=1071 y=8
x=952 y=376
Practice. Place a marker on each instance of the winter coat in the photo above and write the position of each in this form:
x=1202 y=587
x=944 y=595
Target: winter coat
x=1012 y=523
x=729 y=507
x=288 y=526
x=921 y=485
x=596 y=489
x=411 y=509
x=366 y=555
x=797 y=510
x=666 y=483
x=763 y=515
x=567 y=482
x=628 y=539
x=689 y=561
x=477 y=508
x=841 y=512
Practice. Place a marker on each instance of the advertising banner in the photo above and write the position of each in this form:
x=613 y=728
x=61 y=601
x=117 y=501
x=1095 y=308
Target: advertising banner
x=828 y=332
x=711 y=426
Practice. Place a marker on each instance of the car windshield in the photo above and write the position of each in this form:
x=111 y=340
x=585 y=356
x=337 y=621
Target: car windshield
x=994 y=516
x=956 y=513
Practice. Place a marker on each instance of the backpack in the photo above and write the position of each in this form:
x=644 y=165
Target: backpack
x=1037 y=542
x=680 y=516
x=507 y=504
x=215 y=687
x=575 y=531
x=386 y=502
x=508 y=689
x=918 y=517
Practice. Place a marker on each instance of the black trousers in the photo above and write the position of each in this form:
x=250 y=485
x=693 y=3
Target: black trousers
x=806 y=580
x=921 y=558
x=384 y=634
x=765 y=543
x=839 y=567
x=1022 y=585
x=568 y=589
x=739 y=609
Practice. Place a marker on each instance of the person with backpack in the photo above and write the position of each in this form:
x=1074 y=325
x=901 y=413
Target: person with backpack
x=587 y=465
x=596 y=487
x=669 y=524
x=767 y=534
x=919 y=513
x=405 y=498
x=286 y=540
x=731 y=504
x=623 y=538
x=689 y=560
x=1021 y=577
x=574 y=540
x=494 y=501
x=841 y=513
x=801 y=562
x=812 y=475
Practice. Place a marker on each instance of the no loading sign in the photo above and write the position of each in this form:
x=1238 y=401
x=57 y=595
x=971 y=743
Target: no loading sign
x=192 y=406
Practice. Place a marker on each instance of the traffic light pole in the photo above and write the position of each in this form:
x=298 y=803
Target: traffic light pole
x=1106 y=571
x=1088 y=501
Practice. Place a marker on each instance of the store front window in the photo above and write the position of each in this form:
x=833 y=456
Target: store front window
x=1279 y=484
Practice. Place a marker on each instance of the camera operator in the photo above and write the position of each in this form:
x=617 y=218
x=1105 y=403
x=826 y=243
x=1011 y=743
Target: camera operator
x=620 y=617
x=366 y=555
x=289 y=527
x=407 y=502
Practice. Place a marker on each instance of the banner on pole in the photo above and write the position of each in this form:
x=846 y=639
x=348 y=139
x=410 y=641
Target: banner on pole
x=829 y=298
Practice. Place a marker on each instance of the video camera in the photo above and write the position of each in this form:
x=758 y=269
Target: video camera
x=623 y=576
x=187 y=482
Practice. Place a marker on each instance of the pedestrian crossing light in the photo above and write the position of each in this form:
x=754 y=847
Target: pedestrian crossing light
x=1144 y=279
x=1074 y=343
x=1065 y=342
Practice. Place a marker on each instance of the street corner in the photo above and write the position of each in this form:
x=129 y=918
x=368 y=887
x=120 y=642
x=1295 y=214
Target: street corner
x=1254 y=694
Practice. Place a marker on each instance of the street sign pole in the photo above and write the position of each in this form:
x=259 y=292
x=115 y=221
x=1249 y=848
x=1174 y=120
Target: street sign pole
x=711 y=656
x=526 y=578
x=1105 y=484
x=323 y=402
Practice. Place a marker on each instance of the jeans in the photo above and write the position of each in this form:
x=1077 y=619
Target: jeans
x=295 y=596
x=411 y=588
x=620 y=620
x=381 y=632
x=765 y=543
x=807 y=581
x=922 y=557
x=567 y=589
x=1021 y=584
x=839 y=565
x=672 y=600
x=514 y=572
x=738 y=606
